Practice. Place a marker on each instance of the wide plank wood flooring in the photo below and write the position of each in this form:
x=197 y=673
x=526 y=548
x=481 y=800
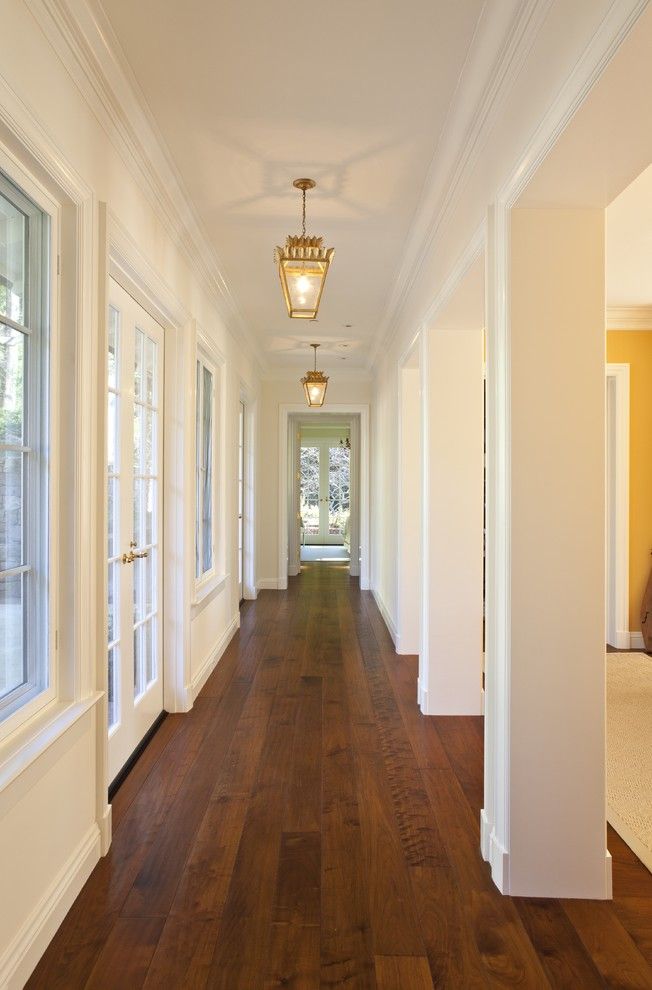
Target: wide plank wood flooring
x=304 y=826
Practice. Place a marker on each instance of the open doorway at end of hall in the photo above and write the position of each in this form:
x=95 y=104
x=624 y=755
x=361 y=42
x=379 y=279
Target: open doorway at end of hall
x=324 y=478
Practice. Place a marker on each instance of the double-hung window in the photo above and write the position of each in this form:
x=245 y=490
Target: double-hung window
x=24 y=454
x=205 y=471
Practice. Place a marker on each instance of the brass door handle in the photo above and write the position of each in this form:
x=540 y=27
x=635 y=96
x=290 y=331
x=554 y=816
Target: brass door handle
x=128 y=558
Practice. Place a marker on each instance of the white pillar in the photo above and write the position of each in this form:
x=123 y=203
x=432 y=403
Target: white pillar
x=410 y=541
x=450 y=676
x=543 y=824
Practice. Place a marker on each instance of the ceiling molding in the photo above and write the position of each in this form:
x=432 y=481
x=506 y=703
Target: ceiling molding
x=82 y=37
x=290 y=373
x=480 y=103
x=629 y=317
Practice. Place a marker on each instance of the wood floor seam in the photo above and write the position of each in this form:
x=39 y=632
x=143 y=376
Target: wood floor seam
x=304 y=826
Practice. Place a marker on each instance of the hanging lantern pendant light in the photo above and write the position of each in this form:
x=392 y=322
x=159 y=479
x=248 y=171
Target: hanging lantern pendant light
x=303 y=265
x=315 y=384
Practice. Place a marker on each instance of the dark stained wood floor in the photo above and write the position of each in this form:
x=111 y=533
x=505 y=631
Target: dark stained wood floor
x=304 y=826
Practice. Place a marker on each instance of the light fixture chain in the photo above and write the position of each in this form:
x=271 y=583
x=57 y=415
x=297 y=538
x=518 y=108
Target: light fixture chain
x=304 y=211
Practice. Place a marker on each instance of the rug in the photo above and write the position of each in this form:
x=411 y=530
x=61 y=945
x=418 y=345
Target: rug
x=629 y=750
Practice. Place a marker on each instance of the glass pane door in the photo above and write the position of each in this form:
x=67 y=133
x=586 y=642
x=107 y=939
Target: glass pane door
x=324 y=493
x=309 y=493
x=134 y=448
x=338 y=490
x=241 y=484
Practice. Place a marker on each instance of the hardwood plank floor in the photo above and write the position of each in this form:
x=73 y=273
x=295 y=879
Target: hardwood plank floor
x=305 y=826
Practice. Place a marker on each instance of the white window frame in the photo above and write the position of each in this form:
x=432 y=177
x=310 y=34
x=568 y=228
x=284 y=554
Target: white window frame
x=42 y=687
x=206 y=581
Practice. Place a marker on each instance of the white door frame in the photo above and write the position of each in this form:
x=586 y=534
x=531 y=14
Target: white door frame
x=249 y=504
x=135 y=274
x=617 y=516
x=406 y=642
x=335 y=409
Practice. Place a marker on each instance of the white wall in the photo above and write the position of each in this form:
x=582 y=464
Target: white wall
x=50 y=811
x=481 y=149
x=450 y=671
x=274 y=393
x=554 y=830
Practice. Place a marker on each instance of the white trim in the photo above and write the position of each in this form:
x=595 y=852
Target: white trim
x=617 y=527
x=211 y=661
x=340 y=409
x=499 y=862
x=208 y=586
x=209 y=357
x=502 y=43
x=636 y=641
x=28 y=945
x=387 y=619
x=269 y=584
x=125 y=262
x=249 y=590
x=32 y=740
x=629 y=317
x=401 y=590
x=422 y=697
x=84 y=635
x=83 y=38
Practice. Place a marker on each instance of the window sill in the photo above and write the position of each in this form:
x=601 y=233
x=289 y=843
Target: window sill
x=33 y=739
x=208 y=587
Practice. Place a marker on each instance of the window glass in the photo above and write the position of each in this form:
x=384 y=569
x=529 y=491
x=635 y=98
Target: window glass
x=205 y=466
x=24 y=654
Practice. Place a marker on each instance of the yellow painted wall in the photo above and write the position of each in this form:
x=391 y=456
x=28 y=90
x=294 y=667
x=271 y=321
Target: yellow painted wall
x=634 y=347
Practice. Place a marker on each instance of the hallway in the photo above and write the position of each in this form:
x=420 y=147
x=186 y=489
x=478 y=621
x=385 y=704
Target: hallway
x=305 y=826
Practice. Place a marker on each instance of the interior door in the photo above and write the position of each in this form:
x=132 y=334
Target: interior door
x=135 y=520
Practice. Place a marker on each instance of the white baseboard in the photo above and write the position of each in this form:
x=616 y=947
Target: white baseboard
x=422 y=698
x=485 y=836
x=499 y=862
x=105 y=825
x=405 y=648
x=24 y=951
x=267 y=584
x=214 y=656
x=636 y=642
x=622 y=639
x=387 y=619
x=294 y=569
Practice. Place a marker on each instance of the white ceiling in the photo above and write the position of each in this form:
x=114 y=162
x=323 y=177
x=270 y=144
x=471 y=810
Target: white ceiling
x=250 y=95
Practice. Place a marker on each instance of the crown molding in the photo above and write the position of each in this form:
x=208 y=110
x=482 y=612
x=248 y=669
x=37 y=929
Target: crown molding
x=629 y=317
x=81 y=35
x=496 y=56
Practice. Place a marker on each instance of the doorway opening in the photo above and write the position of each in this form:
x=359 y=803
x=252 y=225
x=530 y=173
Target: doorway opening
x=135 y=388
x=324 y=483
x=323 y=490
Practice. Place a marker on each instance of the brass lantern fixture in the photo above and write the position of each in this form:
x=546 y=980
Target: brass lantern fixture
x=303 y=266
x=315 y=384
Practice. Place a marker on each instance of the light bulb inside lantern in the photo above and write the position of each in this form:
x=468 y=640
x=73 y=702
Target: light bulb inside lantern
x=302 y=300
x=303 y=283
x=314 y=392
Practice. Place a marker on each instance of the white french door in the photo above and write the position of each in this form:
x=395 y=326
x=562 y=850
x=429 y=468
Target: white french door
x=324 y=492
x=241 y=494
x=135 y=524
